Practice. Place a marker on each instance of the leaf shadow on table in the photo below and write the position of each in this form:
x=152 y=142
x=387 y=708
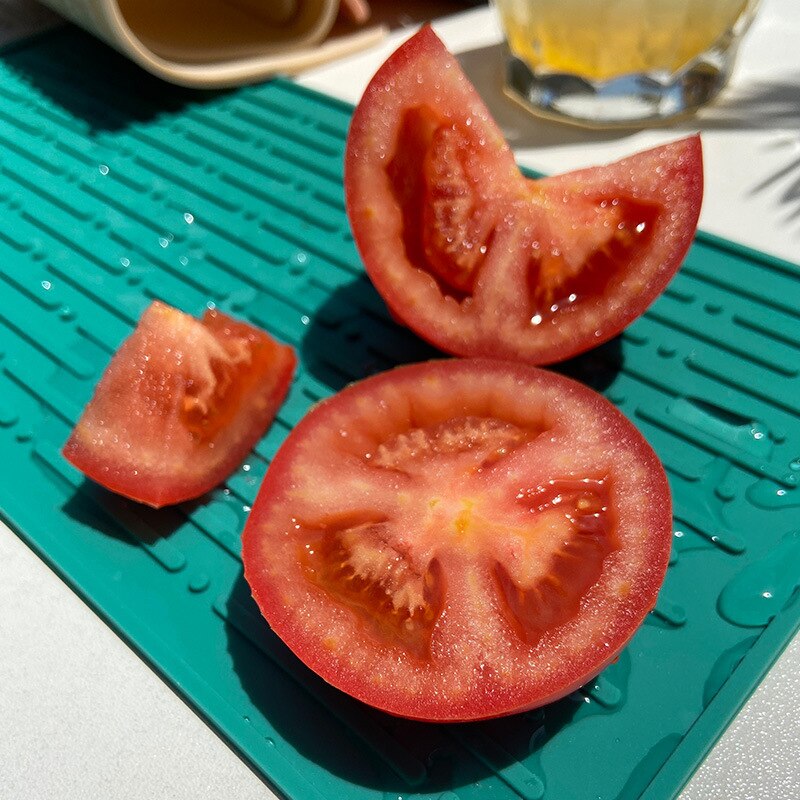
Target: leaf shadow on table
x=790 y=194
x=763 y=105
x=788 y=176
x=751 y=105
x=86 y=81
x=304 y=716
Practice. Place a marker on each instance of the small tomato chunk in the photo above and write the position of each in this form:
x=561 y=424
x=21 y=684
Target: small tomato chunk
x=179 y=405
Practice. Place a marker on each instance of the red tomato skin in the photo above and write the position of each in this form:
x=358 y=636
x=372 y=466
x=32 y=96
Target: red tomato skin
x=125 y=442
x=484 y=704
x=680 y=165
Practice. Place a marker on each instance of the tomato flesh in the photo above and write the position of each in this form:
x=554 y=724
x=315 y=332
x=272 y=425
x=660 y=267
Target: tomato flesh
x=480 y=260
x=459 y=540
x=179 y=406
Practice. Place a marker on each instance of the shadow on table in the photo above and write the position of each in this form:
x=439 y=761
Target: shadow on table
x=597 y=368
x=120 y=518
x=352 y=336
x=367 y=747
x=88 y=80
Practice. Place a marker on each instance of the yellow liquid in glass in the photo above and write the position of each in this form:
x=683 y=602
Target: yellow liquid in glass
x=604 y=39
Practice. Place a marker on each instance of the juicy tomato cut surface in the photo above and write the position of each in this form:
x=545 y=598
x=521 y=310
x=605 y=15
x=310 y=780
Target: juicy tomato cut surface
x=482 y=261
x=180 y=405
x=460 y=540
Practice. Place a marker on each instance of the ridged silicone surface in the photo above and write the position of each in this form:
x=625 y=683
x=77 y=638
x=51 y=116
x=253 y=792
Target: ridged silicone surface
x=116 y=189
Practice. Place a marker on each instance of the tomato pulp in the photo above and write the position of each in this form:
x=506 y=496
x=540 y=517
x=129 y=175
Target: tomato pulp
x=460 y=539
x=179 y=406
x=481 y=261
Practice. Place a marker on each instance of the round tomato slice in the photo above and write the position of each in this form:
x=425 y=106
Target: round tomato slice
x=460 y=539
x=481 y=261
x=180 y=405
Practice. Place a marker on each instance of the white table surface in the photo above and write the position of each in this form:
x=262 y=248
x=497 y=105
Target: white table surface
x=82 y=716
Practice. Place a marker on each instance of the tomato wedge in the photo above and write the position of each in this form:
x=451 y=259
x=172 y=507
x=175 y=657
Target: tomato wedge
x=482 y=261
x=460 y=539
x=179 y=405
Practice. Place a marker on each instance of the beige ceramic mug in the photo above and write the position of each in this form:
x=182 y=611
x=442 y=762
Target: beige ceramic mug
x=215 y=43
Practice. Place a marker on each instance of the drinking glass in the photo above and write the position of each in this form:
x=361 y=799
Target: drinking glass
x=610 y=63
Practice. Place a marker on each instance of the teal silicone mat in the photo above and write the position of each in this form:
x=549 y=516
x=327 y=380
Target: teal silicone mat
x=116 y=189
